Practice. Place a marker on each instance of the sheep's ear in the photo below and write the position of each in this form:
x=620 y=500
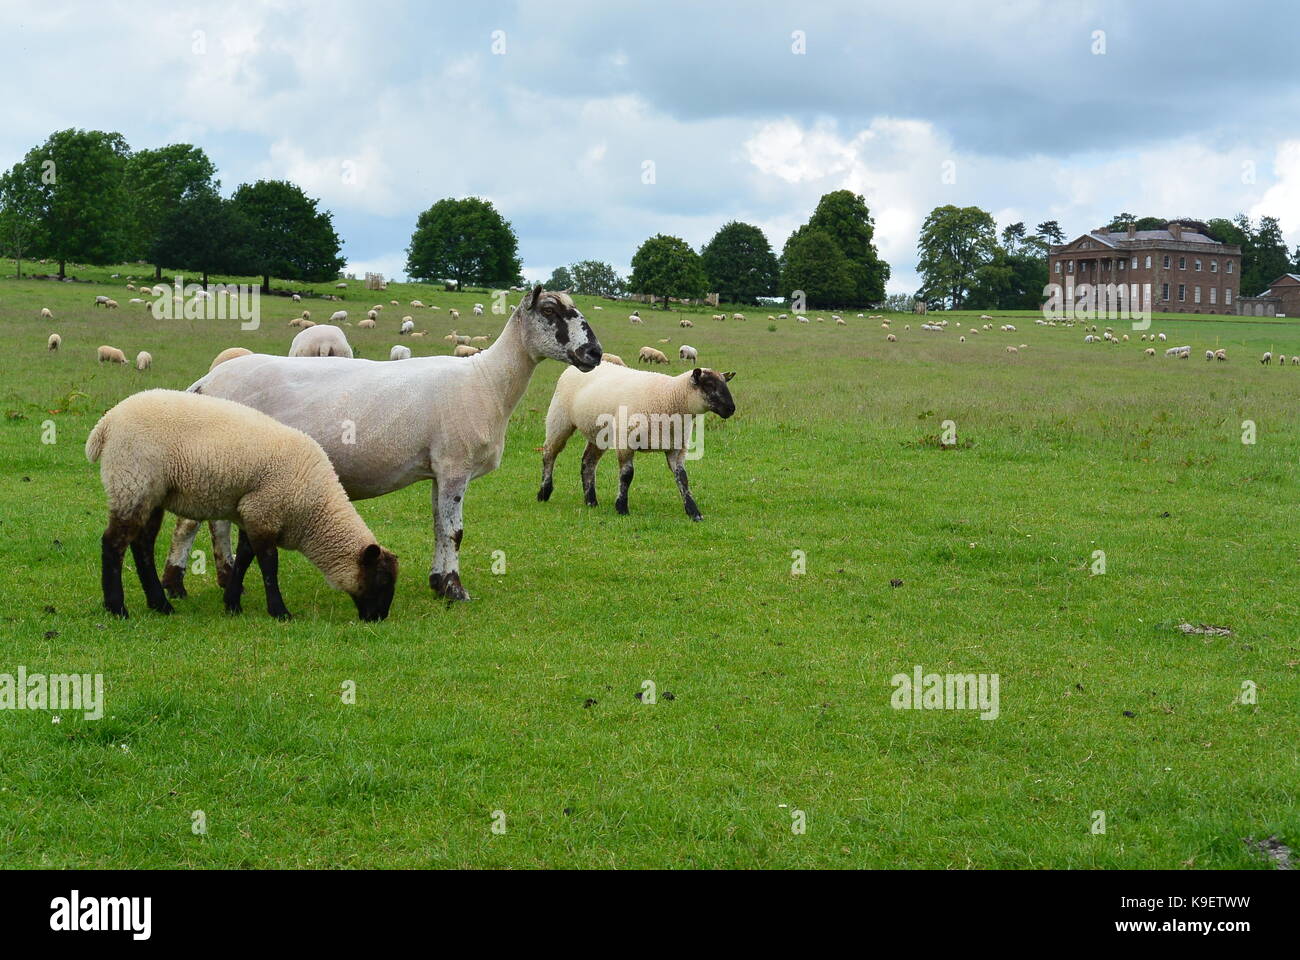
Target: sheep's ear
x=370 y=555
x=537 y=293
x=728 y=376
x=695 y=374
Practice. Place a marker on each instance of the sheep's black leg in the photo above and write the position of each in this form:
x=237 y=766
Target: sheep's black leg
x=235 y=582
x=142 y=552
x=590 y=457
x=624 y=480
x=677 y=464
x=113 y=544
x=268 y=561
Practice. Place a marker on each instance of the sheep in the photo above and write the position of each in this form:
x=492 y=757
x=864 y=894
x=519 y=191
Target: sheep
x=454 y=314
x=367 y=323
x=479 y=339
x=840 y=322
x=392 y=303
x=399 y=352
x=666 y=340
x=685 y=352
x=1267 y=358
x=436 y=418
x=478 y=309
x=143 y=360
x=1220 y=354
x=323 y=340
x=336 y=317
x=416 y=303
x=1150 y=351
x=634 y=317
x=110 y=303
x=961 y=339
x=464 y=351
x=1209 y=354
x=683 y=322
x=1011 y=349
x=205 y=458
x=46 y=314
x=377 y=307
x=101 y=301
x=407 y=326
x=1161 y=337
x=1181 y=352
x=891 y=337
x=737 y=316
x=1295 y=361
x=109 y=354
x=612 y=358
x=372 y=314
x=296 y=298
x=802 y=319
x=630 y=401
x=54 y=342
x=420 y=333
x=306 y=314
x=779 y=316
x=651 y=355
x=229 y=354
x=718 y=316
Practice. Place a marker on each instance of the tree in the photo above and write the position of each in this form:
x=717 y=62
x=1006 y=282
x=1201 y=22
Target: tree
x=79 y=177
x=739 y=264
x=1271 y=257
x=991 y=285
x=1226 y=231
x=561 y=279
x=844 y=216
x=592 y=278
x=666 y=267
x=286 y=235
x=955 y=242
x=1150 y=223
x=20 y=212
x=814 y=263
x=1121 y=223
x=156 y=181
x=1014 y=236
x=203 y=233
x=466 y=241
x=1049 y=231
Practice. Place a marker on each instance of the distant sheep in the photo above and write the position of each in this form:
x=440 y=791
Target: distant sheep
x=634 y=317
x=54 y=342
x=1267 y=358
x=109 y=354
x=737 y=316
x=399 y=352
x=464 y=351
x=613 y=358
x=683 y=322
x=478 y=309
x=229 y=354
x=416 y=303
x=143 y=360
x=685 y=352
x=338 y=316
x=407 y=326
x=1150 y=351
x=46 y=314
x=367 y=323
x=651 y=355
x=321 y=341
x=454 y=314
x=891 y=338
x=1220 y=354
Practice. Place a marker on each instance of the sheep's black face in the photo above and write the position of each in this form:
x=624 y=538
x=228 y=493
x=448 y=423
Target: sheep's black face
x=714 y=387
x=378 y=581
x=560 y=331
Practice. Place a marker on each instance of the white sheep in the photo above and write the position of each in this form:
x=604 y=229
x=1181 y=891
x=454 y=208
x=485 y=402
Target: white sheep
x=651 y=355
x=685 y=352
x=229 y=354
x=464 y=351
x=802 y=319
x=478 y=309
x=622 y=409
x=1267 y=358
x=205 y=458
x=416 y=303
x=367 y=323
x=336 y=317
x=46 y=314
x=109 y=354
x=322 y=340
x=1011 y=349
x=891 y=337
x=454 y=314
x=54 y=342
x=407 y=326
x=143 y=360
x=101 y=301
x=737 y=316
x=399 y=352
x=1179 y=352
x=372 y=314
x=1150 y=351
x=436 y=418
x=296 y=298
x=1209 y=354
x=613 y=358
x=1159 y=336
x=634 y=317
x=1220 y=354
x=683 y=322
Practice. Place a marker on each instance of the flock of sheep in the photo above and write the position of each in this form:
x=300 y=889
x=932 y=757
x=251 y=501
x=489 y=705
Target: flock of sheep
x=257 y=442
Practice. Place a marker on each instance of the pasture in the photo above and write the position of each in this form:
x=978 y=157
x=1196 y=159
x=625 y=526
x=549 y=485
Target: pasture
x=773 y=689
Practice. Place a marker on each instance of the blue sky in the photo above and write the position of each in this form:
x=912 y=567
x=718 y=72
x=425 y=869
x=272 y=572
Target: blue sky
x=1033 y=110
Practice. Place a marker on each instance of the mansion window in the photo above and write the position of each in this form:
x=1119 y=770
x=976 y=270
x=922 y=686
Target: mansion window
x=1182 y=293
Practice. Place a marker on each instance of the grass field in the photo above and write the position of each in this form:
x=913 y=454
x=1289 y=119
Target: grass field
x=525 y=700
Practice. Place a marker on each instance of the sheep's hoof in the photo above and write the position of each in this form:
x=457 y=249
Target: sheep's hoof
x=223 y=574
x=234 y=609
x=164 y=607
x=281 y=614
x=544 y=493
x=173 y=581
x=448 y=585
x=117 y=611
x=620 y=506
x=697 y=517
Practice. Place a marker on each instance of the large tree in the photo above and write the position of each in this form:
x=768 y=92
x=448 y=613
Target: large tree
x=156 y=181
x=466 y=241
x=20 y=213
x=561 y=279
x=594 y=278
x=666 y=267
x=955 y=243
x=286 y=235
x=1271 y=256
x=844 y=216
x=739 y=264
x=812 y=262
x=203 y=233
x=1049 y=232
x=84 y=212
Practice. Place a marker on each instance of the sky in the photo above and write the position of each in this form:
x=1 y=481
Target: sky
x=594 y=125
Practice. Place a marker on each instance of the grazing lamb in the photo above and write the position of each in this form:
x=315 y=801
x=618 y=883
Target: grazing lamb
x=1295 y=361
x=407 y=326
x=683 y=322
x=143 y=360
x=1267 y=358
x=229 y=354
x=111 y=304
x=1220 y=354
x=635 y=317
x=719 y=316
x=1160 y=336
x=323 y=340
x=46 y=314
x=1209 y=354
x=629 y=410
x=478 y=309
x=372 y=314
x=296 y=298
x=434 y=418
x=54 y=342
x=737 y=316
x=336 y=317
x=101 y=301
x=367 y=324
x=204 y=458
x=802 y=319
x=109 y=354
x=685 y=352
x=465 y=351
x=651 y=355
x=613 y=358
x=454 y=314
x=416 y=303
x=1011 y=349
x=1181 y=352
x=399 y=352
x=891 y=338
x=1150 y=351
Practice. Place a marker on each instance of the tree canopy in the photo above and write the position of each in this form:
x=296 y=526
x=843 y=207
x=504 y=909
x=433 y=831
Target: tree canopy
x=286 y=235
x=594 y=278
x=814 y=264
x=739 y=264
x=666 y=267
x=466 y=241
x=955 y=243
x=156 y=182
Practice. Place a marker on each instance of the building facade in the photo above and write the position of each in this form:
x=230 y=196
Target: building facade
x=1281 y=299
x=1188 y=272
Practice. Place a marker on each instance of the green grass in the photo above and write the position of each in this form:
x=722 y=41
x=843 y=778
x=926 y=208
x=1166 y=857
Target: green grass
x=781 y=684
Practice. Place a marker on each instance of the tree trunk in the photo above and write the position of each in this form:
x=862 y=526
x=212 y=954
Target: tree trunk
x=266 y=284
x=205 y=279
x=157 y=272
x=62 y=269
